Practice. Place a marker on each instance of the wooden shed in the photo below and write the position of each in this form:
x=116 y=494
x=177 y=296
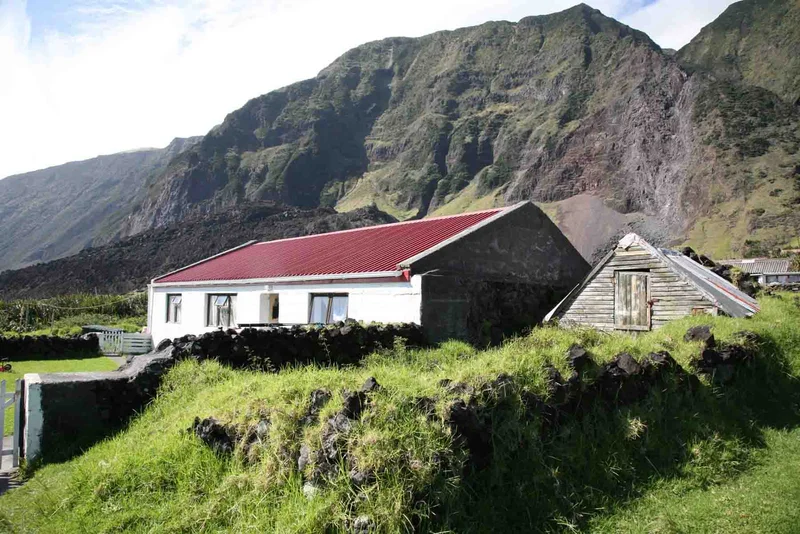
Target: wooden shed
x=640 y=287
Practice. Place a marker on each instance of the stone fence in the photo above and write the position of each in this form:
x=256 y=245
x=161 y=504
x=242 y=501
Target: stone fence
x=47 y=347
x=272 y=348
x=67 y=412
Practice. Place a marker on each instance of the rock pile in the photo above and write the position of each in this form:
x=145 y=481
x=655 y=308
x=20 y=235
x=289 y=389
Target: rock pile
x=720 y=361
x=272 y=348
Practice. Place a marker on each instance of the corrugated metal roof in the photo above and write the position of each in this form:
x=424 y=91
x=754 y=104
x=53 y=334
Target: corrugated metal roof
x=760 y=265
x=364 y=250
x=728 y=297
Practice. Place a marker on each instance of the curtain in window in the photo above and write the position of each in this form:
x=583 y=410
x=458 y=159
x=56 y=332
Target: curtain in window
x=174 y=309
x=221 y=310
x=338 y=308
x=319 y=309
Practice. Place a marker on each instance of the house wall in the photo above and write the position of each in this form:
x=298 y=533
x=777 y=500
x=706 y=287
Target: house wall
x=385 y=302
x=672 y=296
x=522 y=246
x=498 y=280
x=481 y=311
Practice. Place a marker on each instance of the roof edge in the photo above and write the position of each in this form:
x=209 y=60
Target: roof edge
x=408 y=263
x=283 y=279
x=243 y=245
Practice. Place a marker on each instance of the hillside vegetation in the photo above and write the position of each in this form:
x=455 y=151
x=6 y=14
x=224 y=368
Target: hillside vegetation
x=64 y=315
x=714 y=455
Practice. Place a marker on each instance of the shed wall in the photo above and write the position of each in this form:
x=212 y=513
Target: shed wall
x=672 y=296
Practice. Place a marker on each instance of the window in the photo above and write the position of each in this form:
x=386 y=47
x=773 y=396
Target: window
x=174 y=308
x=328 y=308
x=221 y=310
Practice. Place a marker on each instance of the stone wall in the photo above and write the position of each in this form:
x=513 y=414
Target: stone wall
x=67 y=412
x=482 y=311
x=48 y=347
x=272 y=348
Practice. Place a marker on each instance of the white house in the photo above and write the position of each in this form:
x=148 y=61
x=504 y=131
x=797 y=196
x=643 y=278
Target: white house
x=767 y=271
x=449 y=274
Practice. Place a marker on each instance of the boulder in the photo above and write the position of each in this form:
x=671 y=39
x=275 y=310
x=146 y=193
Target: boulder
x=700 y=333
x=221 y=438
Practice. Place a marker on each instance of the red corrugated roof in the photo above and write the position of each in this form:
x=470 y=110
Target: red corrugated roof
x=363 y=250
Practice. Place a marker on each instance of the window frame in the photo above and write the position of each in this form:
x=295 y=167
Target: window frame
x=330 y=297
x=179 y=315
x=210 y=299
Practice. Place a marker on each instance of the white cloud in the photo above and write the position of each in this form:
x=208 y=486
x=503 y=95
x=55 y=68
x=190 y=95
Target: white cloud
x=130 y=74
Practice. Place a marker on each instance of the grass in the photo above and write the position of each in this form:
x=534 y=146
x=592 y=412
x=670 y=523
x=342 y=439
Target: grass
x=19 y=369
x=678 y=461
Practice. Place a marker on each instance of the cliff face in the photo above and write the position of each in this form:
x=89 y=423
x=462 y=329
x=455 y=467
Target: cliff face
x=573 y=110
x=60 y=210
x=756 y=42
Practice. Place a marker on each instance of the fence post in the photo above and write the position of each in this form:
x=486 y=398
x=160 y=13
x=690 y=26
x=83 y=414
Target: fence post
x=3 y=410
x=17 y=420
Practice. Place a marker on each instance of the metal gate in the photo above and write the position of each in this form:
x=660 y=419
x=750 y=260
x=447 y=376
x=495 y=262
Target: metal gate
x=11 y=398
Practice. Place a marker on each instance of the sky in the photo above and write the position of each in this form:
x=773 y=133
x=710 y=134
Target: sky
x=80 y=78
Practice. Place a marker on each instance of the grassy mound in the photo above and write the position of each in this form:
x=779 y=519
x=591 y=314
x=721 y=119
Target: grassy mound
x=683 y=458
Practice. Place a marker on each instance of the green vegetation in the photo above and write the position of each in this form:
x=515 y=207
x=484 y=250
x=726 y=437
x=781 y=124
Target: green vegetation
x=65 y=315
x=702 y=461
x=19 y=368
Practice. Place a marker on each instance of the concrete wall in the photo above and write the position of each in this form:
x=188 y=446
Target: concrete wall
x=67 y=412
x=385 y=302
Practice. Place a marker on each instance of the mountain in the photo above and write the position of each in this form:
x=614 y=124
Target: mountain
x=58 y=211
x=131 y=263
x=757 y=43
x=589 y=118
x=574 y=110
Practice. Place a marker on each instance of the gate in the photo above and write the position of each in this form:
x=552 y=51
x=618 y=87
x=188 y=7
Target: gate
x=11 y=398
x=114 y=342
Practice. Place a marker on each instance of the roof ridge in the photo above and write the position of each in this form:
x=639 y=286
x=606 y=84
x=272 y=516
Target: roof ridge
x=398 y=223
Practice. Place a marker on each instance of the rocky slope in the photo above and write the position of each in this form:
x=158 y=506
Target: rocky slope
x=573 y=110
x=58 y=211
x=131 y=263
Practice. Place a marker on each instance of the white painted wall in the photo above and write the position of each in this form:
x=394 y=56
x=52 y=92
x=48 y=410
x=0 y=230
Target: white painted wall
x=384 y=302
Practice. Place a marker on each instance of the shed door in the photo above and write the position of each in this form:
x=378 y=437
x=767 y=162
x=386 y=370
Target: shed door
x=631 y=311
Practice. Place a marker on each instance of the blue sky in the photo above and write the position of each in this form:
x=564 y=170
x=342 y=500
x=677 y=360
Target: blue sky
x=89 y=77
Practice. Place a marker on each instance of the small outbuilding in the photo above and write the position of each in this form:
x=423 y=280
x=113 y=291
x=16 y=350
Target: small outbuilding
x=640 y=287
x=475 y=276
x=767 y=271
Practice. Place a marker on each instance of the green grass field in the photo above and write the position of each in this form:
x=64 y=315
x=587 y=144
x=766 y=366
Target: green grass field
x=718 y=459
x=18 y=370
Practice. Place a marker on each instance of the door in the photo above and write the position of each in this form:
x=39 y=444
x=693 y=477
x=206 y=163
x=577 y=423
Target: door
x=631 y=296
